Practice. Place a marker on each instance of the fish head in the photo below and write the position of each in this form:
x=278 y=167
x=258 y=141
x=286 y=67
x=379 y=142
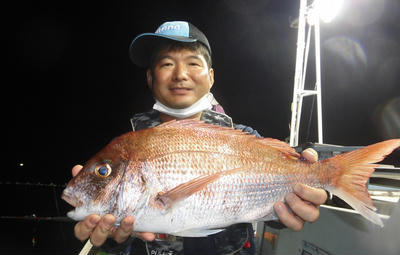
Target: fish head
x=96 y=189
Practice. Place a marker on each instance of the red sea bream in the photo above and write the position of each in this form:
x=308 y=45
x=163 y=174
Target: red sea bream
x=187 y=178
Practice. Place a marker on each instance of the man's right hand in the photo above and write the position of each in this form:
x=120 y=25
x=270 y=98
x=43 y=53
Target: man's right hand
x=98 y=229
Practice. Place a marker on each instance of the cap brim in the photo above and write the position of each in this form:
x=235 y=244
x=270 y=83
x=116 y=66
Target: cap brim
x=141 y=48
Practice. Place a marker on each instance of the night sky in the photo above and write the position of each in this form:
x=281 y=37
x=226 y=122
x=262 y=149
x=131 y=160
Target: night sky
x=69 y=86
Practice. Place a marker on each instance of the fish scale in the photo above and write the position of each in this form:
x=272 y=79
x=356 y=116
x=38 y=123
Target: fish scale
x=188 y=178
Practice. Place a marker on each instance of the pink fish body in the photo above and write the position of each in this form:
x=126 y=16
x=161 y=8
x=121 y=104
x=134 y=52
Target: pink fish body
x=187 y=178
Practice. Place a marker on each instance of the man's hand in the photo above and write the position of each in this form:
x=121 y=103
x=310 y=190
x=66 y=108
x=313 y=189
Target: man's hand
x=98 y=229
x=304 y=201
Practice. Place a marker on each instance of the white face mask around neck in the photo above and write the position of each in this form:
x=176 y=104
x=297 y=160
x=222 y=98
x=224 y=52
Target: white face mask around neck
x=202 y=104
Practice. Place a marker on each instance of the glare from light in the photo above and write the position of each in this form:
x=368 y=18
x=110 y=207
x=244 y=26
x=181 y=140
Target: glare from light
x=328 y=9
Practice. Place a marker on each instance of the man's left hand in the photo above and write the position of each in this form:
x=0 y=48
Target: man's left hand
x=304 y=202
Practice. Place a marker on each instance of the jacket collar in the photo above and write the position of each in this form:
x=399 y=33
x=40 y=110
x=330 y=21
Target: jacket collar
x=152 y=118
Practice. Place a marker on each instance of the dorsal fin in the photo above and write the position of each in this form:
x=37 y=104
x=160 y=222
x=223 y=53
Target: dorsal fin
x=172 y=123
x=281 y=146
x=274 y=143
x=190 y=123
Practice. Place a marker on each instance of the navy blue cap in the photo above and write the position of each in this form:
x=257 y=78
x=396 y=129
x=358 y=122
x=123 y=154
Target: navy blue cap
x=142 y=46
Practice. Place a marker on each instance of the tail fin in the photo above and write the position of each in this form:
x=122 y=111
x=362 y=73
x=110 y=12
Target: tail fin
x=350 y=172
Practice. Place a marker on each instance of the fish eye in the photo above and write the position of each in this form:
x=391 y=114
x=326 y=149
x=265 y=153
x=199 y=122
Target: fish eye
x=103 y=170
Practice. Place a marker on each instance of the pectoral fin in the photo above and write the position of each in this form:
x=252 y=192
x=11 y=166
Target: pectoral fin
x=164 y=200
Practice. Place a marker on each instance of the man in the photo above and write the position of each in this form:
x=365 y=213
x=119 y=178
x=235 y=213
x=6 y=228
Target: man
x=178 y=61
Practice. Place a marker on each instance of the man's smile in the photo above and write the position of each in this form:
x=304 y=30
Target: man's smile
x=179 y=90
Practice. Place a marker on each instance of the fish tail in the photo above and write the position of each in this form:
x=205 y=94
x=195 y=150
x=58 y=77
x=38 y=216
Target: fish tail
x=349 y=173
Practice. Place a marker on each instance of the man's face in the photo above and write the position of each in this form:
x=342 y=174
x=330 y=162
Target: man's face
x=180 y=78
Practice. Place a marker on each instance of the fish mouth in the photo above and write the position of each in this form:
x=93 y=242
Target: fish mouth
x=70 y=199
x=78 y=214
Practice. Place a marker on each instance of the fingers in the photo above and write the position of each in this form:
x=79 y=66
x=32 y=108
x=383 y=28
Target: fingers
x=304 y=206
x=147 y=236
x=288 y=218
x=76 y=169
x=83 y=229
x=310 y=155
x=314 y=195
x=102 y=230
x=95 y=227
x=124 y=230
x=305 y=211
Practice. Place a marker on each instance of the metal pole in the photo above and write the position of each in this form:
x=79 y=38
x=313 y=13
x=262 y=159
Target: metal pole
x=298 y=72
x=301 y=92
x=318 y=76
x=312 y=14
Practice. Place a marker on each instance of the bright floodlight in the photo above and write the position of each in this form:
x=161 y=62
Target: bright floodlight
x=328 y=9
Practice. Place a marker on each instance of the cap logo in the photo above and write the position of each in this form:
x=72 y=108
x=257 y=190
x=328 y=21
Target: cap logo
x=169 y=27
x=176 y=28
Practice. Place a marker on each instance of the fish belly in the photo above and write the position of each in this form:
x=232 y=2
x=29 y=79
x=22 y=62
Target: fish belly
x=237 y=198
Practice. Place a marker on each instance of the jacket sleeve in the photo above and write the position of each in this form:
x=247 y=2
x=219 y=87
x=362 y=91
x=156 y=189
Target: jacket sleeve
x=247 y=129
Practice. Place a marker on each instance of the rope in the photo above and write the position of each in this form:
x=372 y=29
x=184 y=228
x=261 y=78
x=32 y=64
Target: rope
x=37 y=218
x=37 y=184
